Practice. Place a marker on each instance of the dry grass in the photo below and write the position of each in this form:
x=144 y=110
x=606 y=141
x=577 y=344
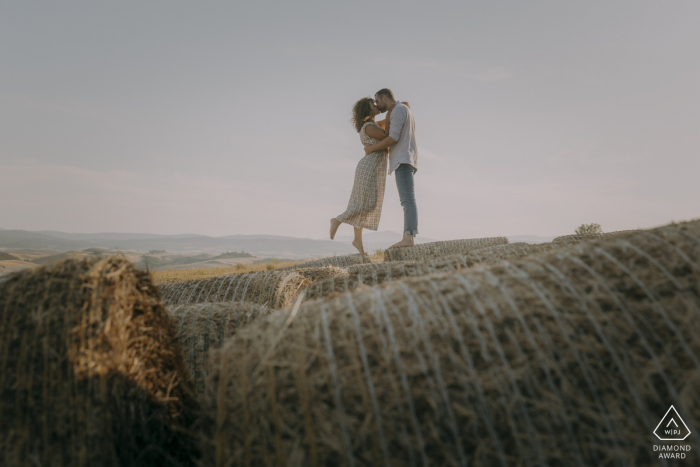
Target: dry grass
x=90 y=369
x=180 y=275
x=377 y=256
x=570 y=357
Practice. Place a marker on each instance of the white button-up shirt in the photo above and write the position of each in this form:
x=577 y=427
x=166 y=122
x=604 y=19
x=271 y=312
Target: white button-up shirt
x=402 y=128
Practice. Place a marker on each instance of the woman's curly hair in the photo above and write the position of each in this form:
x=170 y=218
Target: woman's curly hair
x=360 y=111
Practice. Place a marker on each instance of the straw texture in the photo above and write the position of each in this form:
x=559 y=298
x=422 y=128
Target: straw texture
x=276 y=289
x=90 y=372
x=568 y=358
x=205 y=326
x=380 y=273
x=340 y=261
x=437 y=249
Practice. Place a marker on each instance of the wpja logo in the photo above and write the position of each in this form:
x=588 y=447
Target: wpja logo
x=672 y=428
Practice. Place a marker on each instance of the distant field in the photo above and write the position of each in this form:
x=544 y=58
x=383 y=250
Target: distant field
x=177 y=275
x=13 y=265
x=165 y=268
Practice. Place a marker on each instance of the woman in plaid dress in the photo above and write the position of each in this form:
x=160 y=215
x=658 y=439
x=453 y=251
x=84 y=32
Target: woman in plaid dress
x=365 y=205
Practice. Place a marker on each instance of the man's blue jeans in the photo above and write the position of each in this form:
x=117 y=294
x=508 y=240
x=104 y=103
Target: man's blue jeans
x=404 y=182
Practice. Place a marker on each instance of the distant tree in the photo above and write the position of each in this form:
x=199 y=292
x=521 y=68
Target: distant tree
x=589 y=229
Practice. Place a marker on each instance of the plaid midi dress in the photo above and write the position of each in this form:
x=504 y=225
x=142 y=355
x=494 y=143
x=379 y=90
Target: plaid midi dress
x=365 y=205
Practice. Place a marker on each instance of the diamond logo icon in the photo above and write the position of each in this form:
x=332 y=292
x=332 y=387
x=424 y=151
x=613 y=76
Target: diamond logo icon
x=672 y=427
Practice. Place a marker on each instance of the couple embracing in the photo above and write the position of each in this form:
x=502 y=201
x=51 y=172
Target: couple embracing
x=394 y=139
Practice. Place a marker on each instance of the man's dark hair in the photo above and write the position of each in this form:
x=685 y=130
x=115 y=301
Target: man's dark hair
x=386 y=92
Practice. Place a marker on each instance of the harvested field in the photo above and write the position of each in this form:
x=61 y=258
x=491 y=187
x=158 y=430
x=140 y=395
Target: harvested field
x=380 y=273
x=181 y=275
x=206 y=326
x=277 y=289
x=341 y=261
x=433 y=250
x=7 y=257
x=571 y=357
x=89 y=374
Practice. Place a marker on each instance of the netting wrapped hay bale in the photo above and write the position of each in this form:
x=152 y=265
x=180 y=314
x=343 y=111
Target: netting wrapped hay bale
x=374 y=274
x=437 y=249
x=90 y=371
x=571 y=357
x=276 y=289
x=506 y=245
x=340 y=261
x=494 y=254
x=205 y=326
x=385 y=265
x=322 y=273
x=585 y=237
x=380 y=273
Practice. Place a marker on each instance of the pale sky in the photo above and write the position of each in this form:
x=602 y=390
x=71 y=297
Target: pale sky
x=222 y=118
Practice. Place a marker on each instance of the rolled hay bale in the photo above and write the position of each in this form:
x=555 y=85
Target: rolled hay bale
x=90 y=370
x=570 y=358
x=340 y=261
x=361 y=274
x=376 y=275
x=204 y=326
x=322 y=273
x=433 y=250
x=582 y=238
x=375 y=266
x=276 y=289
x=506 y=246
x=369 y=275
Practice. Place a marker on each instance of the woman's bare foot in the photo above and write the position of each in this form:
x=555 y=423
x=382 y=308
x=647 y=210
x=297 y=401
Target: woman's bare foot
x=357 y=243
x=335 y=223
x=407 y=240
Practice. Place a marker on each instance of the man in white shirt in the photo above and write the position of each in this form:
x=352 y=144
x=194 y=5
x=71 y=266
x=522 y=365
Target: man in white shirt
x=403 y=157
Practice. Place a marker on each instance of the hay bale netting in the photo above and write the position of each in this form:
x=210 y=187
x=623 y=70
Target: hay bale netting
x=90 y=370
x=340 y=261
x=569 y=358
x=204 y=326
x=379 y=273
x=437 y=249
x=276 y=289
